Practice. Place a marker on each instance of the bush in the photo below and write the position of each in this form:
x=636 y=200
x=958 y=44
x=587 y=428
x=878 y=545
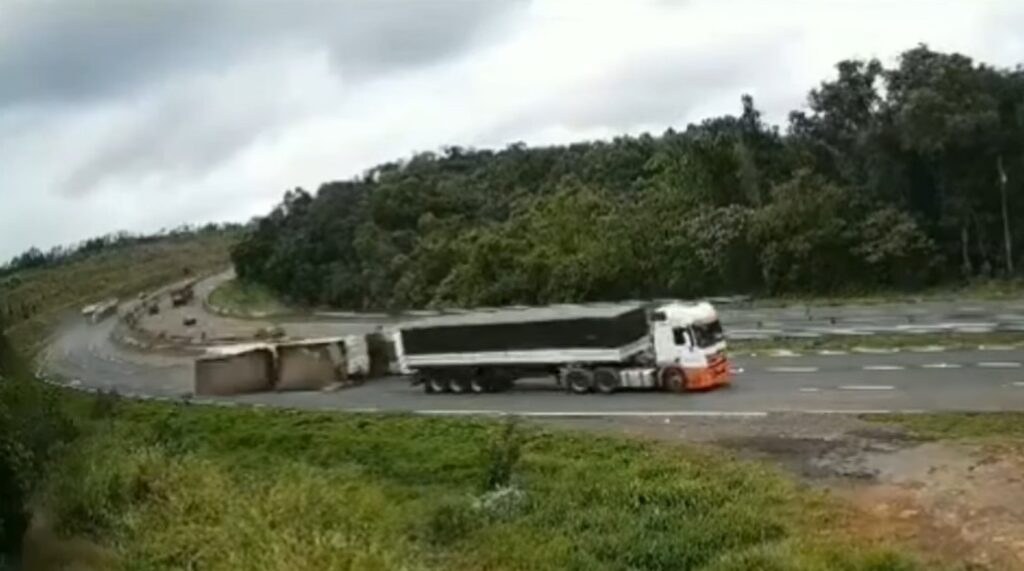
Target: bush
x=32 y=425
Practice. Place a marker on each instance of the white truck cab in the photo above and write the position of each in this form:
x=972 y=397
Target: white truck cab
x=689 y=336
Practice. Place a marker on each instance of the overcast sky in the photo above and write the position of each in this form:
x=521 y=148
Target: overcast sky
x=138 y=115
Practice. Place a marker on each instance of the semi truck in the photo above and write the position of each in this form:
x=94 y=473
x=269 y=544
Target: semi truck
x=601 y=348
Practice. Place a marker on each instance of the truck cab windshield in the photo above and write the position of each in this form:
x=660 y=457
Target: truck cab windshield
x=708 y=334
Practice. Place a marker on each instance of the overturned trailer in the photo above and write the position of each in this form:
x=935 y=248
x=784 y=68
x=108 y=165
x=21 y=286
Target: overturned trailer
x=601 y=347
x=235 y=370
x=309 y=364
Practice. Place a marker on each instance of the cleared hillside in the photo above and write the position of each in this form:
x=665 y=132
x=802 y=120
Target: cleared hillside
x=33 y=301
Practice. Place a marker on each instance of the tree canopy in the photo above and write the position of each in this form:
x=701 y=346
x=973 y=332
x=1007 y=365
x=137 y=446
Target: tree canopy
x=889 y=178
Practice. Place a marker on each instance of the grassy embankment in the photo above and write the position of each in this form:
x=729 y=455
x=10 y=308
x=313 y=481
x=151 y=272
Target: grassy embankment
x=246 y=299
x=185 y=487
x=39 y=298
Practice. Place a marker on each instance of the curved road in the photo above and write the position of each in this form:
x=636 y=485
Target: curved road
x=982 y=380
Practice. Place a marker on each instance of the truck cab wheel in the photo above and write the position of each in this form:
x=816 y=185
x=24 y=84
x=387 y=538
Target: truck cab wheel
x=435 y=385
x=673 y=380
x=606 y=381
x=579 y=381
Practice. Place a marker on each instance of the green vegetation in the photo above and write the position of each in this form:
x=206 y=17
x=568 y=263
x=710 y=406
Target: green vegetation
x=176 y=486
x=950 y=341
x=247 y=299
x=895 y=179
x=33 y=300
x=1001 y=427
x=32 y=426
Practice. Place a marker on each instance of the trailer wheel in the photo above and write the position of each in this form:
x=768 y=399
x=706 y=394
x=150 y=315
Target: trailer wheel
x=606 y=381
x=480 y=384
x=673 y=379
x=435 y=385
x=459 y=385
x=579 y=381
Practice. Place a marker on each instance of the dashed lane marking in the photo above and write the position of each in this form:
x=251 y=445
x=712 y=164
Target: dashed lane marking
x=832 y=352
x=792 y=369
x=1017 y=384
x=941 y=366
x=996 y=347
x=809 y=389
x=999 y=365
x=876 y=350
x=866 y=387
x=883 y=368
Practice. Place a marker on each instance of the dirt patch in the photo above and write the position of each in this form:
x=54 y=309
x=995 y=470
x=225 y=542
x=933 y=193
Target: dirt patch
x=968 y=492
x=954 y=502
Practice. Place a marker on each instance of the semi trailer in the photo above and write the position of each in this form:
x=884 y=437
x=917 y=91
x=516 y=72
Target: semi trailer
x=602 y=347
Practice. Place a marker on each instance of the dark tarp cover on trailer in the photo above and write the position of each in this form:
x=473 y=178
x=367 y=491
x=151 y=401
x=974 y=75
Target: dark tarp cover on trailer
x=554 y=327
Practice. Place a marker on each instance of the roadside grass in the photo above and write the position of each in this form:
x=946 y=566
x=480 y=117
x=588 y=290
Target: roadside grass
x=1004 y=427
x=983 y=290
x=171 y=486
x=949 y=341
x=247 y=299
x=35 y=300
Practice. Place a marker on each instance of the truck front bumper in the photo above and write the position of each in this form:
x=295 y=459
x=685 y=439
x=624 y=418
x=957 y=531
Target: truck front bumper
x=718 y=373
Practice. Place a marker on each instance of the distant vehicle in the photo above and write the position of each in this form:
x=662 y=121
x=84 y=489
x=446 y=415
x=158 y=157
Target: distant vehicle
x=603 y=348
x=100 y=311
x=182 y=296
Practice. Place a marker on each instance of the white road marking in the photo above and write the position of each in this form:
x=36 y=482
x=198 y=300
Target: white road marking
x=941 y=366
x=736 y=370
x=792 y=369
x=854 y=411
x=866 y=387
x=832 y=352
x=809 y=389
x=927 y=349
x=996 y=347
x=588 y=413
x=1017 y=384
x=783 y=353
x=876 y=350
x=883 y=368
x=999 y=365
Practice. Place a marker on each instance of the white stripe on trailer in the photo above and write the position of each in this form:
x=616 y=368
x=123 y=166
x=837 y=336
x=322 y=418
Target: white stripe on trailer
x=529 y=357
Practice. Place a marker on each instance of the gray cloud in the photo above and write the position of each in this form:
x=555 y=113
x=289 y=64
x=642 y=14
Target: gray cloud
x=140 y=114
x=655 y=93
x=77 y=50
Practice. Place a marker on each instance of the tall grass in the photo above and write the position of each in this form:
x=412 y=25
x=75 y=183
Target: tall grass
x=184 y=487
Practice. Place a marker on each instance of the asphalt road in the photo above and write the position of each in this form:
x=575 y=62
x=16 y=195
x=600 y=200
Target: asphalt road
x=846 y=382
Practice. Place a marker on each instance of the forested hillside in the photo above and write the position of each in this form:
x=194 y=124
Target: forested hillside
x=890 y=178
